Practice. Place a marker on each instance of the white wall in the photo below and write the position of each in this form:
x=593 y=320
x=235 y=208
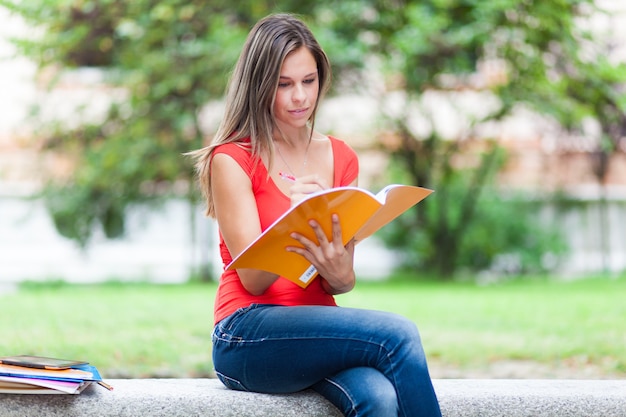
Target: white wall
x=159 y=247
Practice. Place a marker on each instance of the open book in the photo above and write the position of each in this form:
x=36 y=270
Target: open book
x=361 y=213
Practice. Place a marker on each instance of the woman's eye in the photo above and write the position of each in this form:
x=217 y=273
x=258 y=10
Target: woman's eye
x=309 y=81
x=283 y=85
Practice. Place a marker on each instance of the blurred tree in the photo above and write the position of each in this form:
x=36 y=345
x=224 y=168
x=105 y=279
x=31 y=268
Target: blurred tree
x=507 y=53
x=171 y=57
x=595 y=90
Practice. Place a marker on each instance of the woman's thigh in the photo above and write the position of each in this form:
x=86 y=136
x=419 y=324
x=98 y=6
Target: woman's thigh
x=286 y=349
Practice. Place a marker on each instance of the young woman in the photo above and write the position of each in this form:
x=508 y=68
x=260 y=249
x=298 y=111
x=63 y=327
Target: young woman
x=271 y=335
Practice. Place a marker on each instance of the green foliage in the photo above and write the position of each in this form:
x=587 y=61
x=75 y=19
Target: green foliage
x=505 y=234
x=535 y=50
x=165 y=59
x=168 y=59
x=510 y=236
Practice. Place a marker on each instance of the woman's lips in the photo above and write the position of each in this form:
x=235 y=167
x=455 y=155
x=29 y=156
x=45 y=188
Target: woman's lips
x=299 y=112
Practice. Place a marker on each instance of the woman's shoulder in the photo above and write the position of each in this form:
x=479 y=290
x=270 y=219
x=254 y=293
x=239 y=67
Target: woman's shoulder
x=240 y=150
x=346 y=162
x=239 y=146
x=335 y=140
x=338 y=142
x=341 y=147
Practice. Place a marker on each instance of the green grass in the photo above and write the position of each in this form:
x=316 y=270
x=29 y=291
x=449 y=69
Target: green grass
x=140 y=330
x=550 y=322
x=124 y=330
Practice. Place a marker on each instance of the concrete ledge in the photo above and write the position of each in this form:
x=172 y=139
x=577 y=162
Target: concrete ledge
x=532 y=397
x=208 y=397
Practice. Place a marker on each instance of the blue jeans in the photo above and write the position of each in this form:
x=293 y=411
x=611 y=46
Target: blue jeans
x=367 y=363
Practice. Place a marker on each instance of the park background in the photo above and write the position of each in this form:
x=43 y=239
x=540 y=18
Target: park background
x=512 y=112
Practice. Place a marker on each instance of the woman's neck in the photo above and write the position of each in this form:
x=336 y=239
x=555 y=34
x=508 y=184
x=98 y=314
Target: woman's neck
x=293 y=138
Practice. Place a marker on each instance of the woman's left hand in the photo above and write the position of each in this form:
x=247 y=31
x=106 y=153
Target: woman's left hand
x=333 y=261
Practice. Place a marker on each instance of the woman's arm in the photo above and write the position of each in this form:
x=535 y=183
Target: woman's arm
x=237 y=216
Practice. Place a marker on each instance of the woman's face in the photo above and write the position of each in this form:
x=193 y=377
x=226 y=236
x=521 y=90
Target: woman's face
x=297 y=92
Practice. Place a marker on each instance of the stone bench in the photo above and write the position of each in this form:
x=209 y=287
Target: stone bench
x=208 y=397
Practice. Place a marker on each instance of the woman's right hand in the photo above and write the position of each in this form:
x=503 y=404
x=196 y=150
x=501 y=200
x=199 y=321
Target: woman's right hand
x=304 y=186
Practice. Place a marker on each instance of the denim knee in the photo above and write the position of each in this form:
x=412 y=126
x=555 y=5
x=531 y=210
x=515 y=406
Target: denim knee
x=382 y=399
x=404 y=328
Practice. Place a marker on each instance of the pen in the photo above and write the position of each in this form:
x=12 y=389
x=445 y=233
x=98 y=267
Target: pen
x=287 y=177
x=105 y=385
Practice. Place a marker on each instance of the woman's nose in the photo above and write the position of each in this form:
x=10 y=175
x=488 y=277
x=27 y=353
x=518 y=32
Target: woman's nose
x=298 y=93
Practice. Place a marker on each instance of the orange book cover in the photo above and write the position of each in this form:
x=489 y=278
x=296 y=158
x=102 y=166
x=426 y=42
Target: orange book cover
x=361 y=214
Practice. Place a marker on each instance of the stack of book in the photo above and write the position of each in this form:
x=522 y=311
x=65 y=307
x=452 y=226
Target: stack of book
x=41 y=375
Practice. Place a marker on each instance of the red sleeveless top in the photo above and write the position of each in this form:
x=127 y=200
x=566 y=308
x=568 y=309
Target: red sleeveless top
x=271 y=203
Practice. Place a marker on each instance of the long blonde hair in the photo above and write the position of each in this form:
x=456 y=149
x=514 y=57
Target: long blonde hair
x=252 y=88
